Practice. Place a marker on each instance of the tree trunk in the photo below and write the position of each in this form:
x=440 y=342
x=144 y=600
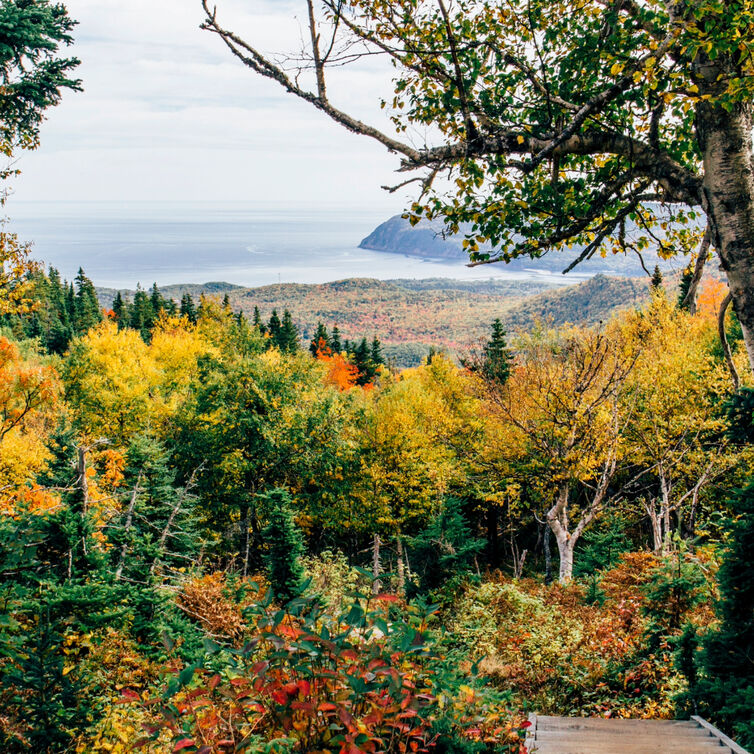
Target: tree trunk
x=401 y=566
x=654 y=519
x=492 y=536
x=376 y=583
x=548 y=555
x=665 y=509
x=726 y=144
x=566 y=545
x=557 y=518
x=245 y=538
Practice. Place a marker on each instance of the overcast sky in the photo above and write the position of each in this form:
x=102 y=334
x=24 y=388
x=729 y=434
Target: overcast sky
x=168 y=114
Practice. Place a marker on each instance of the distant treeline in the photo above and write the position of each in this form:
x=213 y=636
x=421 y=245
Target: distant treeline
x=63 y=310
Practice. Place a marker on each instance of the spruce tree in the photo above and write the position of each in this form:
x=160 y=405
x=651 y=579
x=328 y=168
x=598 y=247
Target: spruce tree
x=376 y=355
x=87 y=312
x=497 y=356
x=335 y=343
x=157 y=301
x=287 y=339
x=188 y=309
x=725 y=692
x=284 y=544
x=445 y=552
x=274 y=326
x=656 y=282
x=362 y=360
x=257 y=321
x=142 y=313
x=686 y=277
x=321 y=339
x=120 y=309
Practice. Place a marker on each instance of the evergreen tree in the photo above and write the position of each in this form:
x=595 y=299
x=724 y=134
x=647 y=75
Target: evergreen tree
x=157 y=534
x=284 y=544
x=287 y=339
x=226 y=303
x=320 y=339
x=142 y=314
x=57 y=583
x=725 y=693
x=157 y=301
x=274 y=326
x=188 y=309
x=362 y=360
x=497 y=358
x=335 y=343
x=121 y=311
x=656 y=282
x=686 y=277
x=445 y=552
x=257 y=321
x=376 y=354
x=86 y=308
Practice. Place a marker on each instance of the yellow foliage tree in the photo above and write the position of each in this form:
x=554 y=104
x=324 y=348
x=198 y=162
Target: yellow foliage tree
x=29 y=408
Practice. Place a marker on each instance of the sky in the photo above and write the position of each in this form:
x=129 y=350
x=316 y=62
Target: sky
x=168 y=114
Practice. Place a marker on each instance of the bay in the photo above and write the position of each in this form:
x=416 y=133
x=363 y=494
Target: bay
x=122 y=244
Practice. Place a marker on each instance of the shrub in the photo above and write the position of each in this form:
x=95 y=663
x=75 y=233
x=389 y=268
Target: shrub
x=370 y=680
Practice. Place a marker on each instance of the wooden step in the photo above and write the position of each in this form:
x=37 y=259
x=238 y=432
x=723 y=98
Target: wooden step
x=560 y=735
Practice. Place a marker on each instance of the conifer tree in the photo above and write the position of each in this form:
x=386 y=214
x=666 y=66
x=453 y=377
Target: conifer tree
x=121 y=311
x=284 y=543
x=686 y=277
x=274 y=326
x=226 y=303
x=497 y=356
x=287 y=339
x=725 y=693
x=656 y=282
x=142 y=313
x=376 y=354
x=257 y=321
x=157 y=301
x=362 y=360
x=446 y=551
x=86 y=308
x=188 y=309
x=335 y=343
x=320 y=339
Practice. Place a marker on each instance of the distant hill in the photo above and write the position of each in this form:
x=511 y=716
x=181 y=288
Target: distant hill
x=409 y=316
x=595 y=300
x=428 y=241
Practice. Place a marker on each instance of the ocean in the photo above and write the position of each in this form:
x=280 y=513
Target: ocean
x=122 y=244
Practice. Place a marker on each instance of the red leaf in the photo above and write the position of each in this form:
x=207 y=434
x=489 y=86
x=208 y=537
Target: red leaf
x=130 y=695
x=326 y=707
x=184 y=743
x=527 y=724
x=214 y=681
x=304 y=687
x=279 y=696
x=388 y=598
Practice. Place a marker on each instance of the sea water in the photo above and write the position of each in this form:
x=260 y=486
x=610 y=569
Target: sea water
x=122 y=244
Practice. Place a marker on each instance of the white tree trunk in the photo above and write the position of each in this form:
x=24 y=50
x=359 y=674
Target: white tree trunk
x=726 y=142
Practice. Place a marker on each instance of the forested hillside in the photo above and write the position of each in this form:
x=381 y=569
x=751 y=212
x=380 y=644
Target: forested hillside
x=412 y=316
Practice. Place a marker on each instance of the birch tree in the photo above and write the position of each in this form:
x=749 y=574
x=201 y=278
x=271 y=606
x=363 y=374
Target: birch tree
x=605 y=124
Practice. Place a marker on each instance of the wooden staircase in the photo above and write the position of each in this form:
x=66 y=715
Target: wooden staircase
x=589 y=735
